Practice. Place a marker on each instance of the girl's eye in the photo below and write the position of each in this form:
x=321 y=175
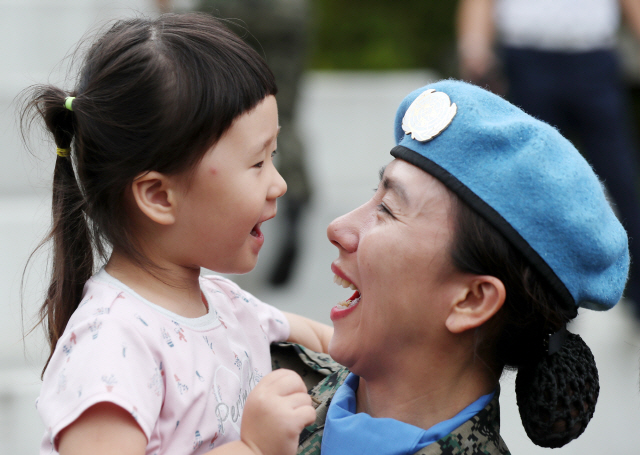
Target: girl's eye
x=261 y=163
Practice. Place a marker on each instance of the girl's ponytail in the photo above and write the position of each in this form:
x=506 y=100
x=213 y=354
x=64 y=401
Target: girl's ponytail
x=72 y=255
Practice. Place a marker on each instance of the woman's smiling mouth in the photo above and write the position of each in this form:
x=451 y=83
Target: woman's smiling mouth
x=345 y=307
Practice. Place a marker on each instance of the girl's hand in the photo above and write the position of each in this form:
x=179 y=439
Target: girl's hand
x=276 y=412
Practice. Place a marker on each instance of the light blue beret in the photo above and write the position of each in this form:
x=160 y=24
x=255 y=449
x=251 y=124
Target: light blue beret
x=525 y=179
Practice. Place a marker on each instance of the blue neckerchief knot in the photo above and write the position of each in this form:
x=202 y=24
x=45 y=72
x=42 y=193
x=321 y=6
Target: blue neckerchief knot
x=347 y=432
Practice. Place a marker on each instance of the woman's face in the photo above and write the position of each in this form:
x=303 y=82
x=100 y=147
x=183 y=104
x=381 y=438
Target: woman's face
x=395 y=250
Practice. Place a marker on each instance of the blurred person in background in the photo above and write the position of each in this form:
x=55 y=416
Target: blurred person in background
x=277 y=30
x=555 y=59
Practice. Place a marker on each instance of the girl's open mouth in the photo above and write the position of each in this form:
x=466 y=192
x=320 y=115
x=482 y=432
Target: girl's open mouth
x=256 y=232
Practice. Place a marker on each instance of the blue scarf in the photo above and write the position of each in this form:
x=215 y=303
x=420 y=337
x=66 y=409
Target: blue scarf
x=348 y=433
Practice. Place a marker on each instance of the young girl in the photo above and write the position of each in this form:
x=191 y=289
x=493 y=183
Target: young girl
x=165 y=159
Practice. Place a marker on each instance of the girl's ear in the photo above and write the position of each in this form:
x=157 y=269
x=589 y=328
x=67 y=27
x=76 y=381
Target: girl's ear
x=481 y=299
x=154 y=194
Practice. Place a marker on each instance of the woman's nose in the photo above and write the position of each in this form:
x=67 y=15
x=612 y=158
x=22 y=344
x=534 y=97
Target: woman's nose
x=344 y=233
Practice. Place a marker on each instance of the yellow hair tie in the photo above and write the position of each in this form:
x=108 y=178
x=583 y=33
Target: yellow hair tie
x=67 y=102
x=63 y=153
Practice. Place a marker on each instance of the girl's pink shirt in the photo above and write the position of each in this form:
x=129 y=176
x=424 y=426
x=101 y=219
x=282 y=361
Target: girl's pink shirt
x=185 y=381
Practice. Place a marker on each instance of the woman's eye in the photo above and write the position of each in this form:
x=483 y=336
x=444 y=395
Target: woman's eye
x=274 y=153
x=383 y=209
x=259 y=165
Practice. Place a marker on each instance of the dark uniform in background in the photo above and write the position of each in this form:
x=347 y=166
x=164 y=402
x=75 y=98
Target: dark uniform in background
x=278 y=30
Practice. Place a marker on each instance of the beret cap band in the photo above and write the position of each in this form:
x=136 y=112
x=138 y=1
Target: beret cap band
x=487 y=212
x=532 y=185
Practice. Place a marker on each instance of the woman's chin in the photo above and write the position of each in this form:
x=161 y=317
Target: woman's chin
x=341 y=351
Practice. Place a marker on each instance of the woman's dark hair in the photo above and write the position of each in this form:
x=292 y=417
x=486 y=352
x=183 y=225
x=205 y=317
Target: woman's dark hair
x=556 y=393
x=152 y=95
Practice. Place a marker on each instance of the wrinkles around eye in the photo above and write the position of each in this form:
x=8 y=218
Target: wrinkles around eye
x=384 y=210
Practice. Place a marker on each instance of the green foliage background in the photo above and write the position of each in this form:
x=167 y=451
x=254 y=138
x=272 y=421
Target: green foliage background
x=383 y=34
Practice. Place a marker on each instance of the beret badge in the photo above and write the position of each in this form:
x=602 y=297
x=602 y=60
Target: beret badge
x=429 y=115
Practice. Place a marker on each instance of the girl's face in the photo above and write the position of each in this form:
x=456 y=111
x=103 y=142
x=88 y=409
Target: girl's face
x=233 y=190
x=395 y=249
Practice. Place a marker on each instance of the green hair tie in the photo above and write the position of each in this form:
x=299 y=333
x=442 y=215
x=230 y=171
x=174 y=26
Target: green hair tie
x=67 y=102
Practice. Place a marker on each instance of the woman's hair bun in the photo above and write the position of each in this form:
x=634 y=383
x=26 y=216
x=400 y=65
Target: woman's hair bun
x=557 y=395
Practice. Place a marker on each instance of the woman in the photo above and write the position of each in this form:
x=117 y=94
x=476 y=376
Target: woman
x=485 y=234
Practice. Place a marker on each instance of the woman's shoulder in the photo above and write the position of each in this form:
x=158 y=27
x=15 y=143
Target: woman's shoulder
x=479 y=435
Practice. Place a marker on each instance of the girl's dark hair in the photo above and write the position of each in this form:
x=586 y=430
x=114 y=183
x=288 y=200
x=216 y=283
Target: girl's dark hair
x=556 y=393
x=152 y=95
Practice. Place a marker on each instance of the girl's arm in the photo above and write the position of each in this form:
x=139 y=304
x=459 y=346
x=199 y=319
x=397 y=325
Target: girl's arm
x=275 y=413
x=104 y=428
x=107 y=429
x=310 y=334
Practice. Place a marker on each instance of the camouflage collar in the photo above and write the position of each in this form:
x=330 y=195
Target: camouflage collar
x=479 y=435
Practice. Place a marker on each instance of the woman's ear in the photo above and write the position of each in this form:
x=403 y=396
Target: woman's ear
x=155 y=195
x=481 y=299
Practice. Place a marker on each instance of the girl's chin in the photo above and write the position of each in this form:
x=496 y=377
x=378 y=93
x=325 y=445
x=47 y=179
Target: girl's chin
x=245 y=265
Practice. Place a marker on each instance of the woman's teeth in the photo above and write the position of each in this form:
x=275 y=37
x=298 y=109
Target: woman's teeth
x=354 y=299
x=351 y=301
x=344 y=283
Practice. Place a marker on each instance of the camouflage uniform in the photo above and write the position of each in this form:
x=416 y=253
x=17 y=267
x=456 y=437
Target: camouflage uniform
x=479 y=435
